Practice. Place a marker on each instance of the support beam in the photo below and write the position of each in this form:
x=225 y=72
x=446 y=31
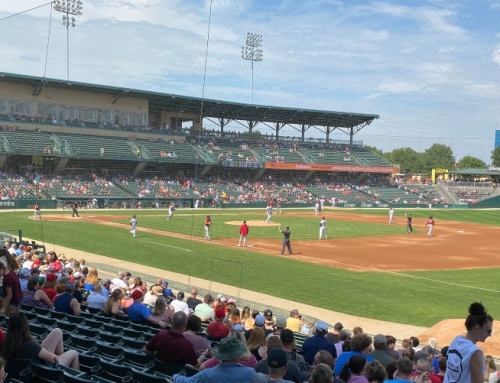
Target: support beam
x=222 y=123
x=139 y=168
x=307 y=176
x=118 y=96
x=205 y=170
x=260 y=173
x=3 y=160
x=38 y=88
x=61 y=164
x=277 y=127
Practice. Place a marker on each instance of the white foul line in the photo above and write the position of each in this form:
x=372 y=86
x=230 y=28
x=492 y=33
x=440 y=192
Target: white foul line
x=162 y=244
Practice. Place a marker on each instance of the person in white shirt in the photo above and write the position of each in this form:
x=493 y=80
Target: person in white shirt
x=95 y=300
x=28 y=263
x=152 y=295
x=179 y=304
x=322 y=228
x=118 y=282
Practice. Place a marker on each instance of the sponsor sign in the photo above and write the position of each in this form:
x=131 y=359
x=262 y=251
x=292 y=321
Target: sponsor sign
x=330 y=168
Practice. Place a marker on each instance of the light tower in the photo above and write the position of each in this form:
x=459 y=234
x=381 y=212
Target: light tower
x=68 y=8
x=252 y=53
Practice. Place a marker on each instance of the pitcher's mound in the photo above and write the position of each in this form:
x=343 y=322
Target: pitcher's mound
x=252 y=223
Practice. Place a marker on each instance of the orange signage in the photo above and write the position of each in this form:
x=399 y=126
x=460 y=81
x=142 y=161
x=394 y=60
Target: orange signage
x=330 y=168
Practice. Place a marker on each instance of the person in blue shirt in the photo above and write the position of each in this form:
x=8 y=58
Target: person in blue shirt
x=140 y=313
x=403 y=373
x=227 y=371
x=318 y=342
x=360 y=345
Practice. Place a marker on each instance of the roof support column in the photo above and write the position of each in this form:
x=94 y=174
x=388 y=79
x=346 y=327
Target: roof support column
x=277 y=127
x=351 y=135
x=303 y=132
x=222 y=123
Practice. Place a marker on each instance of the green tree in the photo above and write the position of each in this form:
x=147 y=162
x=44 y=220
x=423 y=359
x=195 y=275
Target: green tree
x=374 y=150
x=495 y=156
x=409 y=160
x=438 y=156
x=471 y=162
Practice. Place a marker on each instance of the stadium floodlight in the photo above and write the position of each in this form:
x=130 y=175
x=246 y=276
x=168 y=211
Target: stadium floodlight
x=252 y=52
x=68 y=8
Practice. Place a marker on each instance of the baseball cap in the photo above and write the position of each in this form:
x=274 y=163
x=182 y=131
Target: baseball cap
x=220 y=313
x=260 y=320
x=231 y=300
x=24 y=272
x=77 y=275
x=51 y=277
x=165 y=283
x=238 y=327
x=338 y=326
x=280 y=322
x=379 y=339
x=105 y=280
x=322 y=217
x=268 y=314
x=64 y=279
x=430 y=350
x=286 y=336
x=70 y=286
x=223 y=299
x=277 y=358
x=219 y=296
x=180 y=295
x=137 y=294
x=321 y=326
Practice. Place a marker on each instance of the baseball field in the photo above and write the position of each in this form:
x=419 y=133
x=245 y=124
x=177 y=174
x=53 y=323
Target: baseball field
x=366 y=267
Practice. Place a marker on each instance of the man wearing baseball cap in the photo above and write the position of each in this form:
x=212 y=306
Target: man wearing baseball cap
x=260 y=321
x=217 y=328
x=318 y=342
x=277 y=364
x=179 y=304
x=105 y=286
x=139 y=312
x=228 y=370
x=380 y=345
x=67 y=303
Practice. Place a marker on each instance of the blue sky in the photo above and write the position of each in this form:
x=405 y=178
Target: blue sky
x=430 y=69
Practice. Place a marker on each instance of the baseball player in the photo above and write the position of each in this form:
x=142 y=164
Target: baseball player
x=286 y=240
x=430 y=224
x=171 y=210
x=322 y=228
x=37 y=212
x=391 y=215
x=278 y=207
x=208 y=223
x=316 y=208
x=197 y=204
x=244 y=230
x=408 y=222
x=75 y=210
x=133 y=225
x=269 y=213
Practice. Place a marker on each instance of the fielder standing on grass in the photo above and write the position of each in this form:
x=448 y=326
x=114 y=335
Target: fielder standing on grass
x=286 y=240
x=37 y=212
x=430 y=224
x=171 y=210
x=391 y=215
x=322 y=228
x=244 y=230
x=269 y=212
x=208 y=223
x=133 y=225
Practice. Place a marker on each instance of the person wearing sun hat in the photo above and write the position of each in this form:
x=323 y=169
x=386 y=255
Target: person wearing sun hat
x=152 y=295
x=227 y=371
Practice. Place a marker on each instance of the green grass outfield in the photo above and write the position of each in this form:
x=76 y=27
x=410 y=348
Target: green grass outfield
x=418 y=298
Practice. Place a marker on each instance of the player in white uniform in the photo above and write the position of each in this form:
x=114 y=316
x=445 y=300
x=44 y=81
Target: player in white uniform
x=133 y=225
x=391 y=215
x=316 y=208
x=269 y=213
x=171 y=210
x=278 y=207
x=333 y=199
x=322 y=228
x=197 y=204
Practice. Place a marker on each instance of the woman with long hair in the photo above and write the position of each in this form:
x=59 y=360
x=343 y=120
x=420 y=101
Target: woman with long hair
x=490 y=374
x=245 y=314
x=256 y=340
x=234 y=318
x=33 y=296
x=55 y=265
x=162 y=312
x=19 y=344
x=112 y=305
x=466 y=360
x=10 y=284
x=91 y=280
x=352 y=372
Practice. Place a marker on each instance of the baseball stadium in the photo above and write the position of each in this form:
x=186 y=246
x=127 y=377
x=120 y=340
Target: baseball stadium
x=160 y=184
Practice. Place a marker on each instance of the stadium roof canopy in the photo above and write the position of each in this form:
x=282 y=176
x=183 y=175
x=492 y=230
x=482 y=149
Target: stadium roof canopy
x=211 y=108
x=476 y=172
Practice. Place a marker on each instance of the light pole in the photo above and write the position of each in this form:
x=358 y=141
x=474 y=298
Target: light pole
x=252 y=53
x=68 y=8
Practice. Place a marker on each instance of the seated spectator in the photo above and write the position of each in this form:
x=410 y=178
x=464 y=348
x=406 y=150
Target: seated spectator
x=153 y=295
x=55 y=265
x=294 y=322
x=67 y=303
x=403 y=371
x=318 y=342
x=228 y=371
x=106 y=286
x=322 y=373
x=28 y=263
x=352 y=371
x=375 y=372
x=264 y=367
x=19 y=344
x=204 y=311
x=334 y=336
x=344 y=336
x=256 y=340
x=234 y=317
x=380 y=344
x=91 y=279
x=259 y=322
x=193 y=301
x=139 y=312
x=112 y=306
x=163 y=313
x=24 y=276
x=217 y=328
x=278 y=366
x=360 y=345
x=167 y=291
x=423 y=368
x=307 y=327
x=391 y=369
x=179 y=304
x=49 y=286
x=78 y=282
x=268 y=315
x=391 y=343
x=119 y=282
x=33 y=296
x=288 y=341
x=322 y=357
x=247 y=359
x=200 y=343
x=95 y=300
x=405 y=344
x=278 y=327
x=171 y=346
x=245 y=316
x=439 y=377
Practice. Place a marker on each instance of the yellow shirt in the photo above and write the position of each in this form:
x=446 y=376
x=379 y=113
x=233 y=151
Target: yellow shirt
x=294 y=324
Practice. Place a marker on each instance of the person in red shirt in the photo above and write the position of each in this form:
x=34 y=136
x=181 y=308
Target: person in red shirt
x=216 y=328
x=244 y=230
x=208 y=223
x=55 y=265
x=430 y=224
x=12 y=291
x=49 y=286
